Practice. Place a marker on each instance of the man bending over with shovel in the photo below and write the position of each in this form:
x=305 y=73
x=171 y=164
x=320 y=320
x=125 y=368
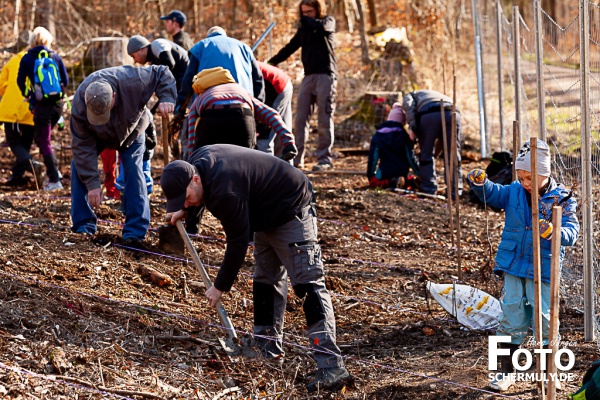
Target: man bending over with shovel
x=251 y=191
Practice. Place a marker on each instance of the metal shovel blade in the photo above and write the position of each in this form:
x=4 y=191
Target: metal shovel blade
x=229 y=346
x=169 y=240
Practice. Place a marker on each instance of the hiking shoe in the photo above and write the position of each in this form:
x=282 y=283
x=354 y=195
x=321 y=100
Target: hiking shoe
x=38 y=172
x=53 y=186
x=329 y=379
x=135 y=243
x=502 y=382
x=322 y=167
x=15 y=181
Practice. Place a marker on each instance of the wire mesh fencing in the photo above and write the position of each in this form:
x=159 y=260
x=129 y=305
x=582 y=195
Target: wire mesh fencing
x=516 y=70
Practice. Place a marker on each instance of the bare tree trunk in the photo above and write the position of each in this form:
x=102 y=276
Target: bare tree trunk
x=363 y=36
x=32 y=16
x=372 y=13
x=161 y=7
x=234 y=16
x=198 y=15
x=16 y=23
x=349 y=15
x=51 y=18
x=458 y=24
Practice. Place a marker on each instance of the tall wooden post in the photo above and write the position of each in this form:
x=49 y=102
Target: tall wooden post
x=554 y=305
x=537 y=271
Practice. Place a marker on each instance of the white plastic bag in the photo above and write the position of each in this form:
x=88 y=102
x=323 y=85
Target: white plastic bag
x=472 y=307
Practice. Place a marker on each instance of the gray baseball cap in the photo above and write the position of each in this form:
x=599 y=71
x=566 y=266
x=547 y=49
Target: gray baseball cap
x=136 y=43
x=98 y=100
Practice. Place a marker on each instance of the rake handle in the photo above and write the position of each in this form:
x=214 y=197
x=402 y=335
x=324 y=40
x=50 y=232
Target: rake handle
x=225 y=320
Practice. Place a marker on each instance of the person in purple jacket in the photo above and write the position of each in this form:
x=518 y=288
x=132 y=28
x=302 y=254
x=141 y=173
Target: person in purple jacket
x=391 y=153
x=251 y=191
x=48 y=110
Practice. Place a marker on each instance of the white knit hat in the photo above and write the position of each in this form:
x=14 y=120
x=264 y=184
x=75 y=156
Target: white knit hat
x=523 y=160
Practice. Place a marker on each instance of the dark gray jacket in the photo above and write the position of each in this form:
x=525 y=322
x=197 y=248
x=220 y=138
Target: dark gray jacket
x=419 y=101
x=134 y=86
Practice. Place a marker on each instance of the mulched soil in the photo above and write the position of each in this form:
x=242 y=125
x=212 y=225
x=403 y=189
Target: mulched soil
x=79 y=317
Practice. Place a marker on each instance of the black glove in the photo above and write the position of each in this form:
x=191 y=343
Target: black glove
x=289 y=152
x=150 y=137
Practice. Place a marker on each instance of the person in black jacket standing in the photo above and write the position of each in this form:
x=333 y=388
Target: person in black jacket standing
x=315 y=35
x=175 y=21
x=251 y=191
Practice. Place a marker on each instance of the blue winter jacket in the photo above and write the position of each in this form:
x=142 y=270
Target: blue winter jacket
x=515 y=252
x=219 y=50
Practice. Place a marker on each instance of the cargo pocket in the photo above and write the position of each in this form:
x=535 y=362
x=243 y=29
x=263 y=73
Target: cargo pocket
x=505 y=255
x=307 y=262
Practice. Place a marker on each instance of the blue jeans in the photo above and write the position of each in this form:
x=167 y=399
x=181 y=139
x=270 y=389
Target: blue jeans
x=137 y=207
x=146 y=168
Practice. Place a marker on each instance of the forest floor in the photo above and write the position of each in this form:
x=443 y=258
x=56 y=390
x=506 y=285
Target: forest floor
x=79 y=319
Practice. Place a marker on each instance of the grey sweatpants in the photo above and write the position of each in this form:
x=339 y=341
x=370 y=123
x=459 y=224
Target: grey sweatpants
x=283 y=105
x=319 y=89
x=292 y=250
x=430 y=130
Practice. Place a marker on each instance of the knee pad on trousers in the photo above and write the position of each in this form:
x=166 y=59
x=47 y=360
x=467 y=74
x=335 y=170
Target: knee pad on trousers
x=264 y=303
x=313 y=309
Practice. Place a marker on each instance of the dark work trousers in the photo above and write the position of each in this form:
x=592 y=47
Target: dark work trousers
x=233 y=125
x=293 y=250
x=46 y=114
x=19 y=138
x=430 y=130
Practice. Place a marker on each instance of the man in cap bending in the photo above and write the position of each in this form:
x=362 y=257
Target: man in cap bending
x=159 y=52
x=175 y=21
x=251 y=191
x=109 y=111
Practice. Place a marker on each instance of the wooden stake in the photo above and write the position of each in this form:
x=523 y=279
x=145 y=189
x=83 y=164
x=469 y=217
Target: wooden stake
x=447 y=170
x=515 y=148
x=537 y=272
x=554 y=305
x=165 y=139
x=454 y=155
x=456 y=199
x=444 y=76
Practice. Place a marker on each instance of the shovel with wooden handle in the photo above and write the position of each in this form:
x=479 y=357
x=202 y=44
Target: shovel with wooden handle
x=228 y=344
x=165 y=139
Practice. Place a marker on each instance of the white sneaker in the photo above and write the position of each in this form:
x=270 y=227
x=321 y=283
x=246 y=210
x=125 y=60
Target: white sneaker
x=502 y=382
x=53 y=186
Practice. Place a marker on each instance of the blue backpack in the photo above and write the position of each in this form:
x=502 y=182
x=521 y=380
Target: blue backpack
x=46 y=77
x=590 y=384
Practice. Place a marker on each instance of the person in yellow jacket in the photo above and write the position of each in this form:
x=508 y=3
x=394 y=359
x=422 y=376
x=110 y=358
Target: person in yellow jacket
x=18 y=125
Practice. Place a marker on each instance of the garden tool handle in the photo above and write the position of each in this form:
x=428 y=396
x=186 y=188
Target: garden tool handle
x=165 y=139
x=225 y=320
